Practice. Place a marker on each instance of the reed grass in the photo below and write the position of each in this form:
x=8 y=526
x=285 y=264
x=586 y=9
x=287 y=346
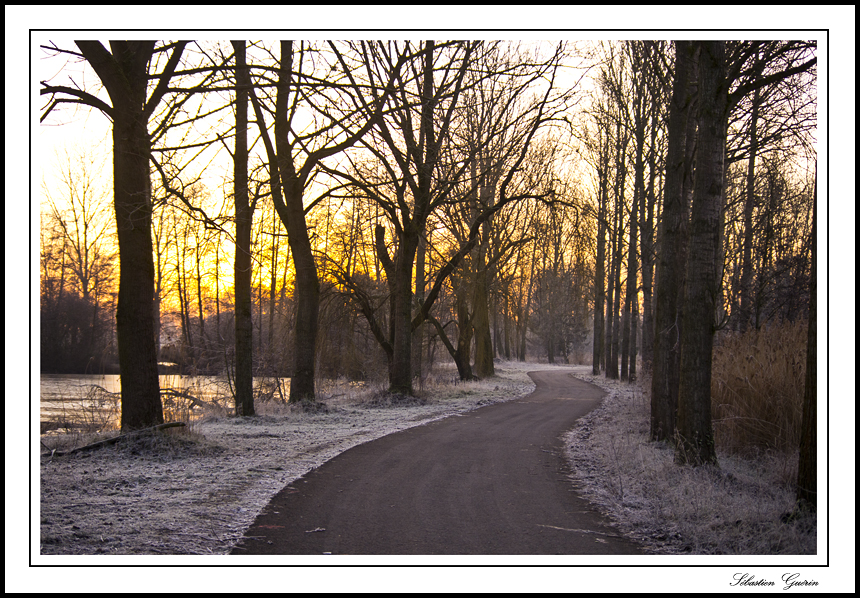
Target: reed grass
x=757 y=386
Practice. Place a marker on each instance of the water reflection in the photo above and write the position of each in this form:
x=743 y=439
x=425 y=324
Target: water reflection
x=92 y=401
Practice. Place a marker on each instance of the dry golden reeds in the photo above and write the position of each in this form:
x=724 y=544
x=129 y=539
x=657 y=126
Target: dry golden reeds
x=757 y=388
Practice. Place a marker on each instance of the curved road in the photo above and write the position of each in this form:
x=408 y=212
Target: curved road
x=490 y=481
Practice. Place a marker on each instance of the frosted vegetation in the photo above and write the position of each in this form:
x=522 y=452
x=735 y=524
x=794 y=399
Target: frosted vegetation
x=195 y=490
x=740 y=507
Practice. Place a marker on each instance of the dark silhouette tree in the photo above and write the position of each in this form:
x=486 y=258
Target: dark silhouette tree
x=124 y=72
x=807 y=479
x=417 y=147
x=244 y=397
x=724 y=79
x=672 y=247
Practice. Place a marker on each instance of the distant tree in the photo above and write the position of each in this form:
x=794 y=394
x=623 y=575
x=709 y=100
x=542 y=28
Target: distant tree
x=78 y=269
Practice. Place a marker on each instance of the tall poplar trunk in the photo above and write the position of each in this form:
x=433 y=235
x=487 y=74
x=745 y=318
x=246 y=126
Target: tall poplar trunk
x=646 y=244
x=600 y=271
x=610 y=297
x=631 y=300
x=616 y=319
x=695 y=444
x=807 y=482
x=628 y=345
x=244 y=398
x=672 y=251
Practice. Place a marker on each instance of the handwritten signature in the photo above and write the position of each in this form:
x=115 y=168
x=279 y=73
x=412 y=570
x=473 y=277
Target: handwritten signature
x=789 y=580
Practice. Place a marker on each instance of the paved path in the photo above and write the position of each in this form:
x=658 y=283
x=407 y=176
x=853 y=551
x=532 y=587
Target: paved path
x=491 y=481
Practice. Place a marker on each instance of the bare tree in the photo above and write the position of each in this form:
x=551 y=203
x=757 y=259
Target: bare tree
x=124 y=72
x=78 y=268
x=244 y=398
x=672 y=247
x=807 y=471
x=422 y=165
x=724 y=78
x=292 y=163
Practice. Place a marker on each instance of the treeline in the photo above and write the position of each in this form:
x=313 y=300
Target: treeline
x=535 y=285
x=764 y=254
x=521 y=288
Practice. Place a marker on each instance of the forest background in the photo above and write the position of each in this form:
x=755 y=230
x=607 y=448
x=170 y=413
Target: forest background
x=840 y=243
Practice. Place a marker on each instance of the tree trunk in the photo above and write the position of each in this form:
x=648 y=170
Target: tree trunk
x=463 y=354
x=646 y=244
x=124 y=74
x=600 y=273
x=292 y=214
x=628 y=366
x=695 y=433
x=420 y=288
x=749 y=205
x=244 y=398
x=307 y=292
x=672 y=252
x=631 y=300
x=807 y=483
x=614 y=322
x=399 y=275
x=484 y=367
x=138 y=360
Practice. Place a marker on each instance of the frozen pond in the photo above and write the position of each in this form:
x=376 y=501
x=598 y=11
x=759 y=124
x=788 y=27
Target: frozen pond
x=92 y=401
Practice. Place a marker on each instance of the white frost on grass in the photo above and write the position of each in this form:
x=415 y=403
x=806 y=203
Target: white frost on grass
x=196 y=491
x=736 y=508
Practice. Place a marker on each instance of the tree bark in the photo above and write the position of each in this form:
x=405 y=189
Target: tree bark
x=244 y=398
x=807 y=483
x=401 y=295
x=749 y=205
x=292 y=213
x=672 y=252
x=420 y=288
x=484 y=367
x=600 y=266
x=695 y=444
x=125 y=76
x=646 y=244
x=138 y=358
x=628 y=345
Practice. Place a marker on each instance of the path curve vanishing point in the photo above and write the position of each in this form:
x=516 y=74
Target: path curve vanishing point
x=492 y=481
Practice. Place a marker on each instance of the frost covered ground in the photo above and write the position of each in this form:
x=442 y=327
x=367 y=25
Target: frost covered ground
x=195 y=491
x=737 y=508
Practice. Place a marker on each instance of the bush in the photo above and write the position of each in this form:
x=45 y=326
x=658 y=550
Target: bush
x=757 y=388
